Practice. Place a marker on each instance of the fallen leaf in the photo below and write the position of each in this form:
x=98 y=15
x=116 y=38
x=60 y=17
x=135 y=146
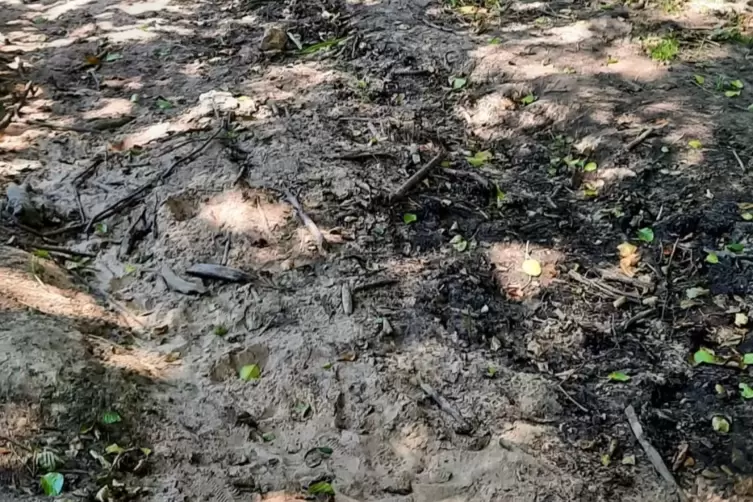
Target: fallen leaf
x=611 y=60
x=480 y=158
x=590 y=190
x=92 y=60
x=459 y=83
x=626 y=249
x=110 y=417
x=528 y=99
x=500 y=195
x=646 y=234
x=748 y=358
x=321 y=488
x=52 y=484
x=164 y=104
x=311 y=49
x=409 y=218
x=720 y=424
x=736 y=247
x=745 y=391
x=737 y=84
x=268 y=436
x=731 y=94
x=250 y=372
x=618 y=376
x=712 y=258
x=747 y=216
x=741 y=319
x=693 y=293
x=113 y=448
x=532 y=267
x=495 y=41
x=100 y=228
x=719 y=389
x=694 y=143
x=491 y=371
x=628 y=460
x=699 y=79
x=113 y=56
x=606 y=459
x=705 y=356
x=459 y=243
x=590 y=167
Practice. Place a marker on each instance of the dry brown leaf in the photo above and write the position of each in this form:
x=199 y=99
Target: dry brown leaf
x=629 y=258
x=92 y=60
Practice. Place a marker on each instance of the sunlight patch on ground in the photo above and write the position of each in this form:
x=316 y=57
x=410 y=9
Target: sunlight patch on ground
x=289 y=83
x=58 y=9
x=110 y=107
x=251 y=214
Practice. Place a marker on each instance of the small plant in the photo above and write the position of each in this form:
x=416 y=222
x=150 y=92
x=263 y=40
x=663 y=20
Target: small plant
x=665 y=50
x=220 y=330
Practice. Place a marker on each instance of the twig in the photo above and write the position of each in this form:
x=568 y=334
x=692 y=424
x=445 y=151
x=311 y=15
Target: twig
x=227 y=250
x=64 y=250
x=310 y=225
x=471 y=174
x=418 y=177
x=604 y=288
x=81 y=212
x=124 y=201
x=637 y=317
x=88 y=171
x=13 y=112
x=653 y=455
x=669 y=279
x=444 y=405
x=739 y=160
x=641 y=137
x=15 y=443
x=375 y=284
x=572 y=399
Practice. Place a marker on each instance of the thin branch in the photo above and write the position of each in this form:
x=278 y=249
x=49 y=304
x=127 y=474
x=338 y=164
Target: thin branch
x=418 y=177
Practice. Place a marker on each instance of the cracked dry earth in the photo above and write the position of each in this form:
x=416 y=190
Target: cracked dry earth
x=181 y=90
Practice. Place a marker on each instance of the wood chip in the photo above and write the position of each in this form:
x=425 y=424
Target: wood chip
x=179 y=284
x=219 y=273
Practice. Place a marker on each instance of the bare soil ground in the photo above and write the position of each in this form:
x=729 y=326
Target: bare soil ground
x=161 y=134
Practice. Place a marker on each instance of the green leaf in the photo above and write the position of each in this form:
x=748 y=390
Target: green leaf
x=321 y=488
x=590 y=167
x=250 y=372
x=750 y=108
x=302 y=409
x=618 y=376
x=748 y=358
x=325 y=451
x=695 y=144
x=268 y=436
x=712 y=258
x=113 y=56
x=480 y=158
x=459 y=82
x=704 y=356
x=327 y=366
x=611 y=60
x=699 y=79
x=101 y=228
x=528 y=99
x=110 y=417
x=129 y=268
x=500 y=196
x=459 y=243
x=311 y=49
x=146 y=451
x=409 y=218
x=164 y=104
x=745 y=391
x=220 y=330
x=646 y=234
x=720 y=424
x=731 y=94
x=747 y=216
x=495 y=41
x=113 y=448
x=491 y=371
x=736 y=247
x=52 y=484
x=41 y=253
x=737 y=84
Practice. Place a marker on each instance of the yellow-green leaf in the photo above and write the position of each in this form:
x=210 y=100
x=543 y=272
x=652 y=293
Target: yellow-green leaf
x=480 y=158
x=646 y=234
x=712 y=258
x=409 y=218
x=113 y=448
x=321 y=488
x=745 y=391
x=748 y=358
x=747 y=216
x=731 y=94
x=532 y=267
x=459 y=243
x=611 y=60
x=590 y=167
x=250 y=372
x=699 y=79
x=528 y=99
x=459 y=82
x=705 y=356
x=694 y=143
x=720 y=424
x=741 y=319
x=618 y=376
x=737 y=84
x=321 y=46
x=52 y=484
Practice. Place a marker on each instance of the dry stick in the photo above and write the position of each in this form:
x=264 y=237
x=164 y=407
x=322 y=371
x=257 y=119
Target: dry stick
x=572 y=399
x=375 y=284
x=6 y=120
x=641 y=137
x=637 y=317
x=604 y=288
x=86 y=173
x=112 y=208
x=651 y=452
x=14 y=443
x=669 y=279
x=64 y=250
x=310 y=225
x=444 y=405
x=418 y=177
x=739 y=160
